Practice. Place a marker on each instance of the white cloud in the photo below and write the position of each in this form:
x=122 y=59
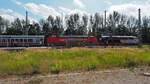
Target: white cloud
x=108 y=2
x=6 y=10
x=80 y=12
x=67 y=11
x=15 y=14
x=18 y=15
x=64 y=10
x=79 y=3
x=17 y=2
x=131 y=9
x=41 y=10
x=11 y=15
x=44 y=11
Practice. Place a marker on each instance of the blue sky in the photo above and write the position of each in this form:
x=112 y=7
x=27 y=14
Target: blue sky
x=11 y=9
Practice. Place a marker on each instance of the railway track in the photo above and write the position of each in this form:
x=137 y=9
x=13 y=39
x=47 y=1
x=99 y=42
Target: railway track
x=21 y=48
x=58 y=47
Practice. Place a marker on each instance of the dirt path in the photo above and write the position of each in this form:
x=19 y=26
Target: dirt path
x=94 y=77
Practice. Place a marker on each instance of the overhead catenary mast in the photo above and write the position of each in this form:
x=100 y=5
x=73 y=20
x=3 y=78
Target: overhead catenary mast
x=105 y=22
x=139 y=23
x=26 y=30
x=139 y=27
x=105 y=19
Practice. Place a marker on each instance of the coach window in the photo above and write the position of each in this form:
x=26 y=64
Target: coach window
x=25 y=40
x=37 y=40
x=17 y=40
x=40 y=39
x=12 y=40
x=30 y=40
x=3 y=40
x=21 y=40
x=8 y=40
x=34 y=40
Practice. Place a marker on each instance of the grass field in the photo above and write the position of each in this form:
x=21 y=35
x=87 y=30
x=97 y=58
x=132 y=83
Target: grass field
x=44 y=61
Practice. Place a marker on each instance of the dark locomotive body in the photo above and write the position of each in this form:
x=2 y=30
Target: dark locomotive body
x=118 y=40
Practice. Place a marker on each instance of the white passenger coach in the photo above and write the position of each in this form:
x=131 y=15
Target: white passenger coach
x=21 y=40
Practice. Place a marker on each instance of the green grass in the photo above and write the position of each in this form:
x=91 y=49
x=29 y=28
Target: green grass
x=31 y=62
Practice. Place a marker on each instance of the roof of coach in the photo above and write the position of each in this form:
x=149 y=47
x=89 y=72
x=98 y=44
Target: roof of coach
x=21 y=36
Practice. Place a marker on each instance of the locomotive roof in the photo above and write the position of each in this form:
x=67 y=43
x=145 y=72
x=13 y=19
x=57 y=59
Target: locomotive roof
x=121 y=36
x=73 y=36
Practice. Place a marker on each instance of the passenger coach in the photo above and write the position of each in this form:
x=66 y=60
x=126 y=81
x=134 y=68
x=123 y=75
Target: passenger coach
x=21 y=41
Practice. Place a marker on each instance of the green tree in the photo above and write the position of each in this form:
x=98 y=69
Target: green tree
x=72 y=24
x=16 y=28
x=132 y=25
x=121 y=30
x=34 y=29
x=1 y=24
x=57 y=27
x=113 y=21
x=145 y=30
x=91 y=23
x=96 y=24
x=82 y=29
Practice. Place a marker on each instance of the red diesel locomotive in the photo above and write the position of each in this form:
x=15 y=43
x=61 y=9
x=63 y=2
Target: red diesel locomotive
x=62 y=40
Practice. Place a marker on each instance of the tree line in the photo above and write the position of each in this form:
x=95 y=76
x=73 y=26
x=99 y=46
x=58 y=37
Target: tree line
x=75 y=24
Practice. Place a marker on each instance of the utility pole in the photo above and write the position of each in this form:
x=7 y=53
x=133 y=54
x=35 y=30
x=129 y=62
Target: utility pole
x=26 y=30
x=139 y=23
x=139 y=27
x=105 y=19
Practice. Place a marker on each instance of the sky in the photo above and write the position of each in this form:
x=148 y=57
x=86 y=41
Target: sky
x=41 y=9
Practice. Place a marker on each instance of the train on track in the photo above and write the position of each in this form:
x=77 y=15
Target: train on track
x=38 y=41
